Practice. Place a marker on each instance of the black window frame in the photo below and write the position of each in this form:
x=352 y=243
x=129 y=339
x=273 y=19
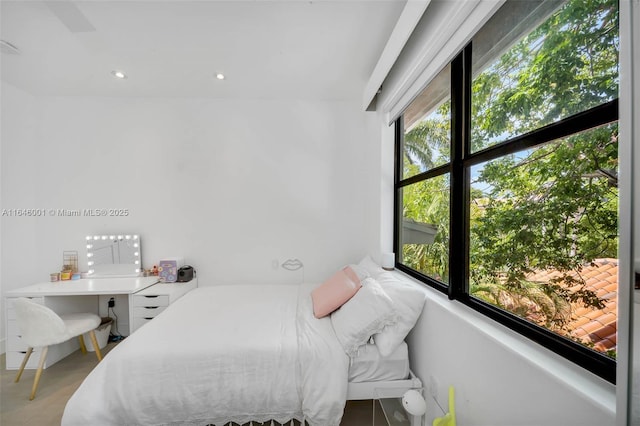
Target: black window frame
x=459 y=228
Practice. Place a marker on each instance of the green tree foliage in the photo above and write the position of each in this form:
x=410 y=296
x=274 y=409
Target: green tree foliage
x=549 y=208
x=566 y=65
x=427 y=145
x=553 y=209
x=428 y=202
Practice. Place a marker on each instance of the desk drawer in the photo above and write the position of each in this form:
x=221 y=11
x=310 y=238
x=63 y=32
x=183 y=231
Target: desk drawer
x=12 y=327
x=14 y=359
x=147 y=311
x=11 y=313
x=15 y=343
x=151 y=300
x=139 y=322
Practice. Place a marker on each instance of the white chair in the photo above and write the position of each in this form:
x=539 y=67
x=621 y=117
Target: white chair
x=41 y=327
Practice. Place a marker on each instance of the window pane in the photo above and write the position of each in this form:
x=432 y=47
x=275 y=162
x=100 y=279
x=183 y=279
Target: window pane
x=544 y=236
x=424 y=233
x=427 y=127
x=535 y=63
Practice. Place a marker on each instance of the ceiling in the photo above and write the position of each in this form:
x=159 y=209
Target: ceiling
x=266 y=49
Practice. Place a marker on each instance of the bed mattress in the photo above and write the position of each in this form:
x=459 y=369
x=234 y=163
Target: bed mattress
x=221 y=354
x=370 y=366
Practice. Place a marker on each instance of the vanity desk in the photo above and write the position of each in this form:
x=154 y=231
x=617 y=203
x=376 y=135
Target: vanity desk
x=137 y=300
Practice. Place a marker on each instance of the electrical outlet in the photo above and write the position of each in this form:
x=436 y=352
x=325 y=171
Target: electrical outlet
x=112 y=302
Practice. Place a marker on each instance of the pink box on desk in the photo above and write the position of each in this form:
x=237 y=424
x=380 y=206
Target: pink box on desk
x=168 y=269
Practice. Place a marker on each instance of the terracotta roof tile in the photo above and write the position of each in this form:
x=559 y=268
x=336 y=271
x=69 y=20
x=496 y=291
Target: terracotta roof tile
x=613 y=279
x=608 y=318
x=596 y=327
x=580 y=321
x=589 y=327
x=603 y=333
x=588 y=274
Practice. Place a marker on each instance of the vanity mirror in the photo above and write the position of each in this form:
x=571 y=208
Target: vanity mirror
x=114 y=255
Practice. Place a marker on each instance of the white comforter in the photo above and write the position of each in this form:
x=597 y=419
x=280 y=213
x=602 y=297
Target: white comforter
x=220 y=354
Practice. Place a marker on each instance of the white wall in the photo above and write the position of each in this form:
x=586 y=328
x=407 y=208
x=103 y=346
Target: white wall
x=18 y=176
x=628 y=371
x=634 y=100
x=228 y=185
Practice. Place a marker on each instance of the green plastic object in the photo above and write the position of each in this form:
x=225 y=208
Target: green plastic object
x=448 y=419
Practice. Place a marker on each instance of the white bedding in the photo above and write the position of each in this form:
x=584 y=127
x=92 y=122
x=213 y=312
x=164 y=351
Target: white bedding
x=220 y=354
x=370 y=366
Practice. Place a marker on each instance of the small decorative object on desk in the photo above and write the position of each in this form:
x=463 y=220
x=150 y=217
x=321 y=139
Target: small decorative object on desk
x=168 y=269
x=186 y=274
x=69 y=265
x=70 y=261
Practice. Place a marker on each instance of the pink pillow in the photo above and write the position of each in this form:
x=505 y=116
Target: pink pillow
x=334 y=292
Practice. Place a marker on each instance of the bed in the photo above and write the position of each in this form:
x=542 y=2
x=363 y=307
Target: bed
x=237 y=354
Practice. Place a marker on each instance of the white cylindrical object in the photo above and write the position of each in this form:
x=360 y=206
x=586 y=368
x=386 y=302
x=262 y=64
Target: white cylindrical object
x=388 y=261
x=414 y=403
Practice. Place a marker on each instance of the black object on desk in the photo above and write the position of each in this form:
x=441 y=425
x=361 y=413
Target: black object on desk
x=185 y=274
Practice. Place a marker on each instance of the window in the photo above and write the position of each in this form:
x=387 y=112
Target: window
x=506 y=177
x=425 y=194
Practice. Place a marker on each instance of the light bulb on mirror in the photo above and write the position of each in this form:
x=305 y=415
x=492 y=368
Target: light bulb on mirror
x=414 y=403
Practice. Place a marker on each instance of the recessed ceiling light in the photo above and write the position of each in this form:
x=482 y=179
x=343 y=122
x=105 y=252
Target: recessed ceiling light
x=220 y=76
x=118 y=74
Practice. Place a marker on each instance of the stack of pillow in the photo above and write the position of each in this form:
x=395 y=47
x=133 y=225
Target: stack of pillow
x=365 y=302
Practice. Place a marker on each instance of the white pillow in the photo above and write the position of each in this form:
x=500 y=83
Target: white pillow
x=361 y=272
x=365 y=314
x=408 y=301
x=372 y=268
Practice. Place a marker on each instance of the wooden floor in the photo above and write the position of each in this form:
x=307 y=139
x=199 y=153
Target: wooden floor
x=59 y=381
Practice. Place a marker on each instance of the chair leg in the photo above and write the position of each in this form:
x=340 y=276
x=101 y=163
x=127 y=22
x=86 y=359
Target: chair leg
x=43 y=357
x=95 y=345
x=83 y=347
x=24 y=363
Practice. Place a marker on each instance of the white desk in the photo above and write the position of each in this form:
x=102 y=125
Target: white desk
x=73 y=296
x=86 y=287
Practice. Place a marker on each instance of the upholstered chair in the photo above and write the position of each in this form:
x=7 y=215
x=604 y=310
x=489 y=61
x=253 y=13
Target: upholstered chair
x=40 y=327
